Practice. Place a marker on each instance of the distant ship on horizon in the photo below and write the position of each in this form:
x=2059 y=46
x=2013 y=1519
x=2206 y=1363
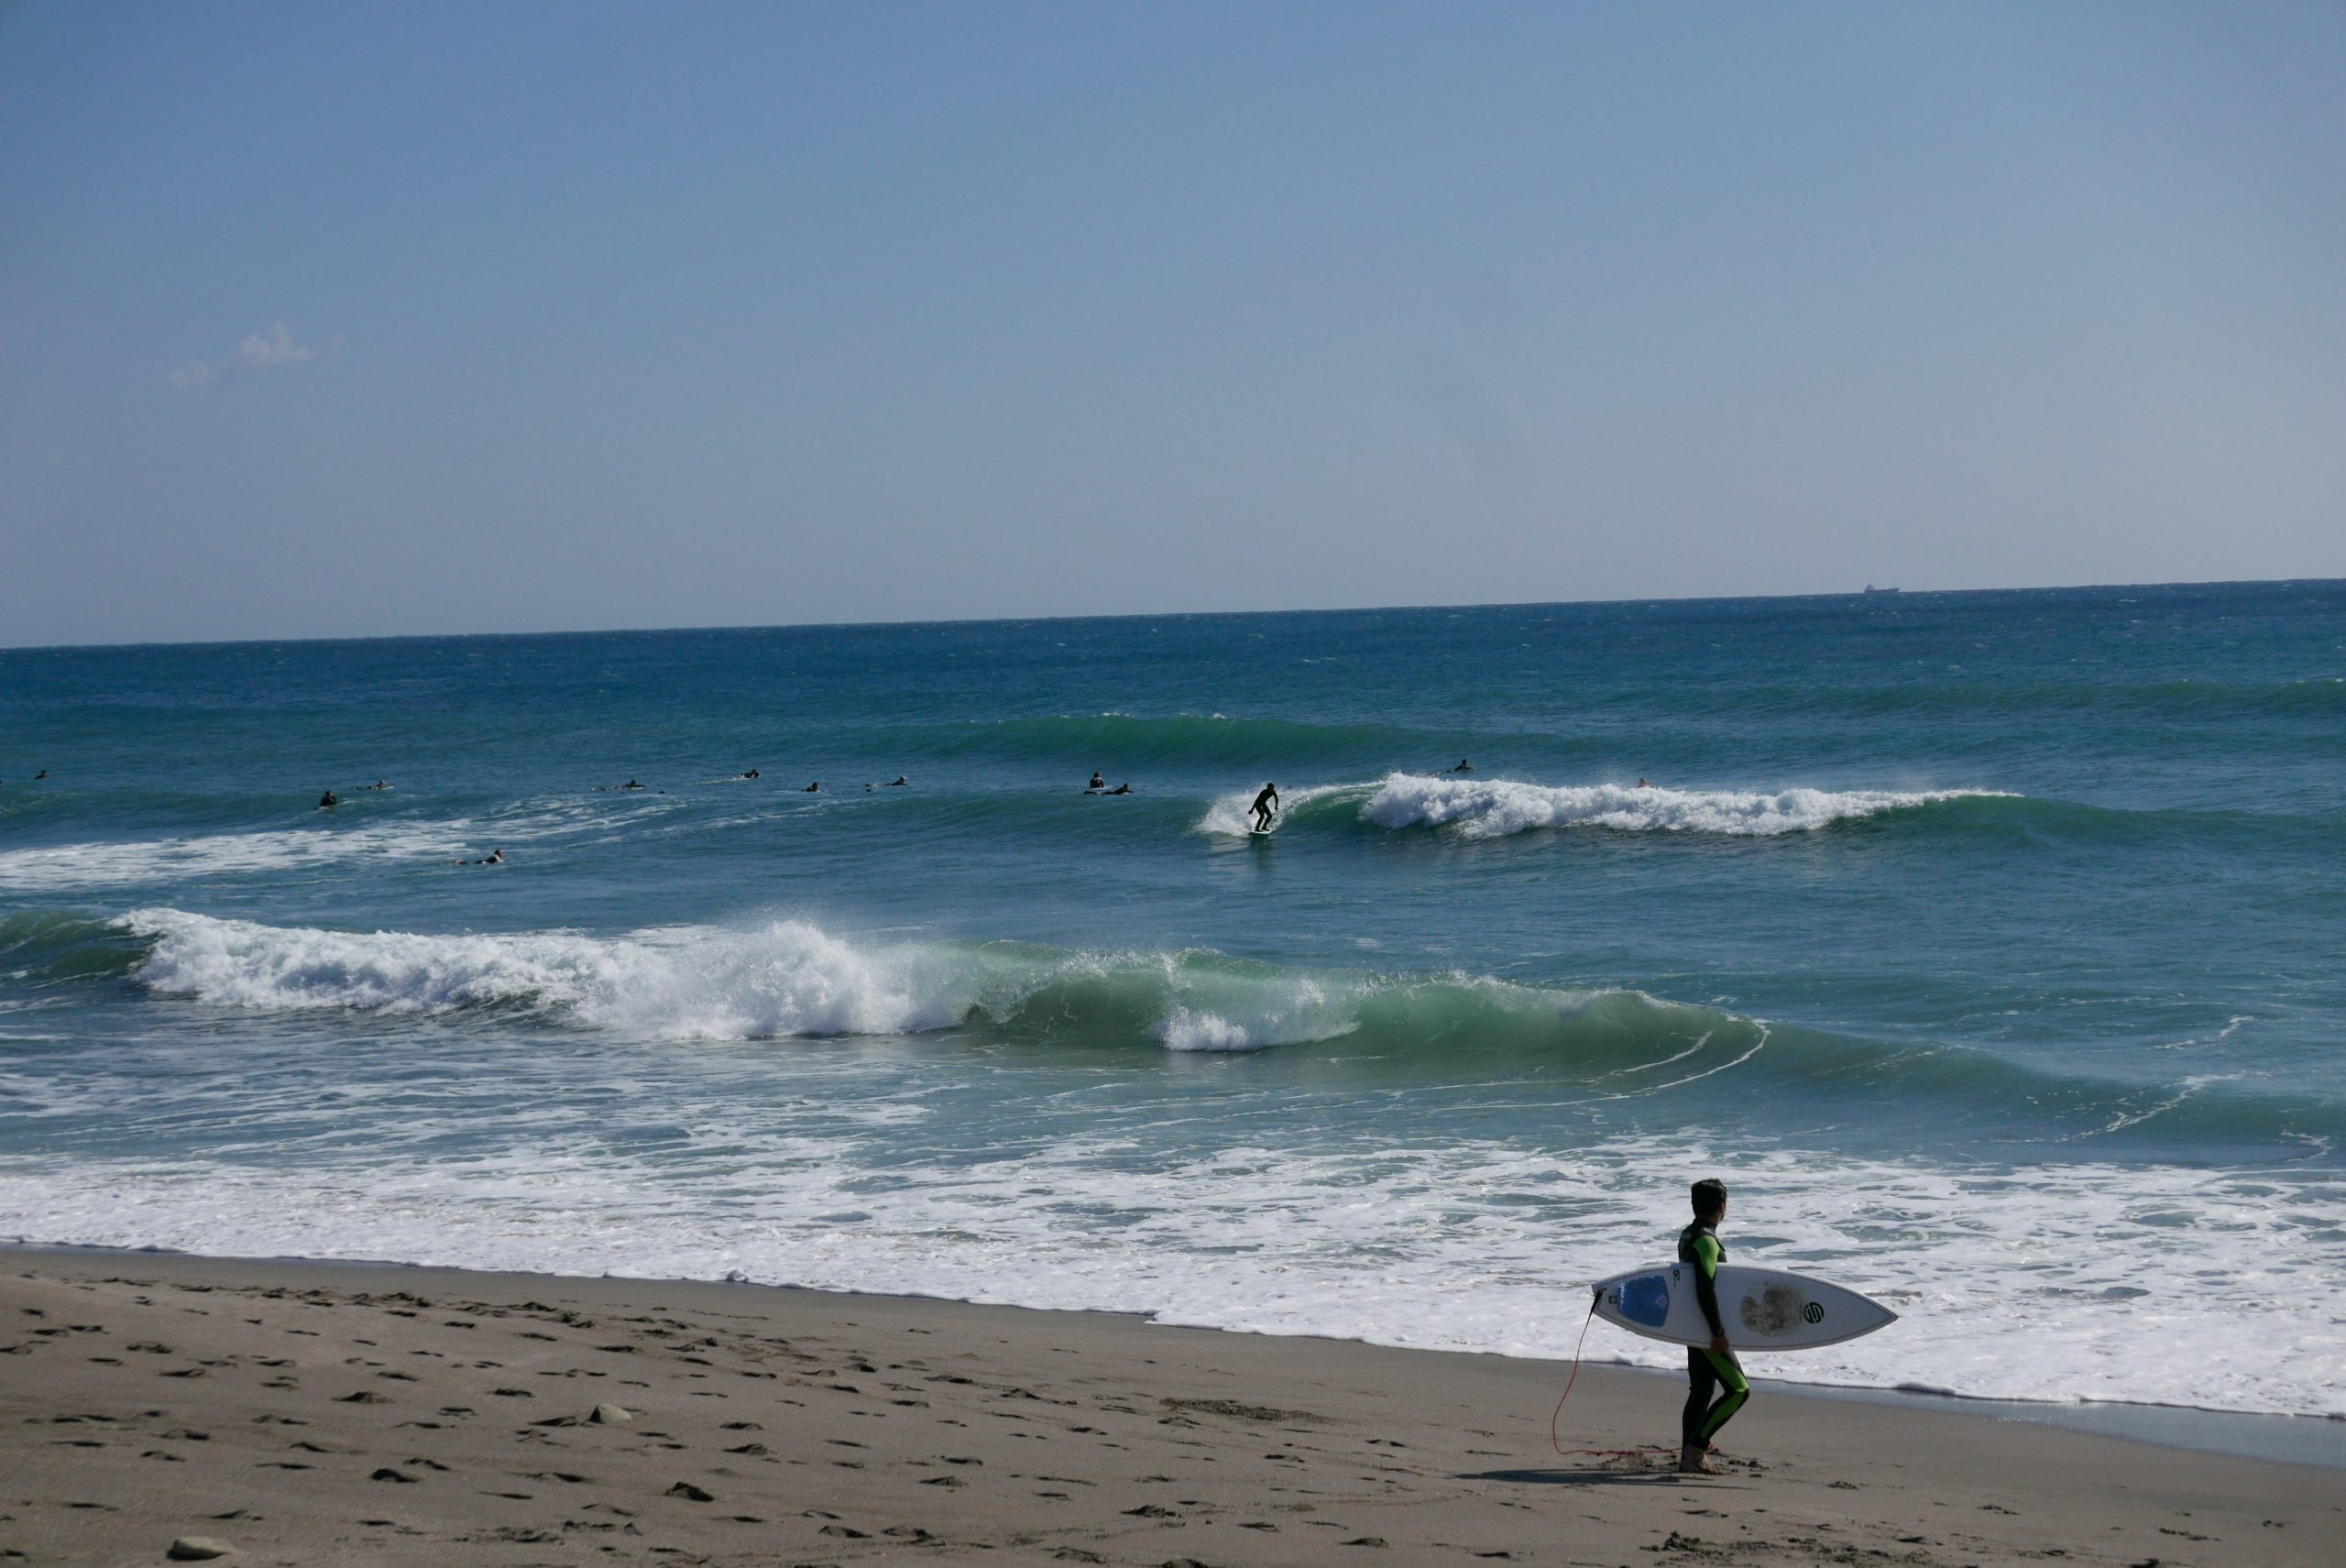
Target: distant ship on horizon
x=1871 y=591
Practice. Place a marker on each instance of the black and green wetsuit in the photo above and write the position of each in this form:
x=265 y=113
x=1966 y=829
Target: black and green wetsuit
x=1708 y=1369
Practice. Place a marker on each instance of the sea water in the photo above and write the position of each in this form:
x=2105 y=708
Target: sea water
x=1991 y=946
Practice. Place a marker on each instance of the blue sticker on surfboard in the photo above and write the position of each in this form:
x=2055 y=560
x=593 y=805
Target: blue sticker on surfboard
x=1646 y=1299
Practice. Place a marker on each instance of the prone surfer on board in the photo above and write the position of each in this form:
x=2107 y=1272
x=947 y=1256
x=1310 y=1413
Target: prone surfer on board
x=1711 y=1366
x=1265 y=805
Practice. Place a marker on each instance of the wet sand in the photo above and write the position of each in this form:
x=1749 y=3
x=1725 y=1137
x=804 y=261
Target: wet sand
x=309 y=1414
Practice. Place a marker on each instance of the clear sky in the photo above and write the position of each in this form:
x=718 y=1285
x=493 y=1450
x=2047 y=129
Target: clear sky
x=326 y=319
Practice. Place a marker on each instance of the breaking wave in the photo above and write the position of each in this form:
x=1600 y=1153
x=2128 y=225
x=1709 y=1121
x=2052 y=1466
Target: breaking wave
x=789 y=978
x=1497 y=808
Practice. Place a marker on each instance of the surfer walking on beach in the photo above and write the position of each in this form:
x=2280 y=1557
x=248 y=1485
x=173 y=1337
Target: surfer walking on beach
x=1265 y=806
x=1711 y=1367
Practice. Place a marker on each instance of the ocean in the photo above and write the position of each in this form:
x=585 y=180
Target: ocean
x=1991 y=946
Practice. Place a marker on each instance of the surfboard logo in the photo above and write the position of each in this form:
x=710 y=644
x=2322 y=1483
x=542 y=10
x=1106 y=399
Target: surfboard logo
x=1645 y=1299
x=1814 y=1312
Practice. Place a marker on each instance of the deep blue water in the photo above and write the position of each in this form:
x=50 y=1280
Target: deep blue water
x=1988 y=944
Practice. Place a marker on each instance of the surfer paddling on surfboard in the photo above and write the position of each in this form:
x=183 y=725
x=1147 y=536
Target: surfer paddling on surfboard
x=1711 y=1366
x=1265 y=806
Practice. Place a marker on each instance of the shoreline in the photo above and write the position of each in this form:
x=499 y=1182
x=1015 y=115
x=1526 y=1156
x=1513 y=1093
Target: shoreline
x=2270 y=1435
x=299 y=1412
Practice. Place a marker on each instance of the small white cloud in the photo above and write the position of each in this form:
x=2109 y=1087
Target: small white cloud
x=259 y=351
x=275 y=346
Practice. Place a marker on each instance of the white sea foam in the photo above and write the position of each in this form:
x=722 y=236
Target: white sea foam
x=128 y=862
x=782 y=979
x=102 y=863
x=1493 y=808
x=1194 y=1031
x=787 y=977
x=1256 y=1013
x=2061 y=1282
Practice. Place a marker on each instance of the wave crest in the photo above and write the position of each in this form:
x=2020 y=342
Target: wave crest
x=1498 y=808
x=1495 y=809
x=787 y=979
x=791 y=978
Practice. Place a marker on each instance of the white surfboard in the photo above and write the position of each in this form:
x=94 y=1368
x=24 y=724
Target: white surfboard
x=1764 y=1308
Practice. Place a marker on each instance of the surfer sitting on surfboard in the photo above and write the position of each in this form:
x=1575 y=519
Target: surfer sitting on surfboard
x=1264 y=804
x=1713 y=1365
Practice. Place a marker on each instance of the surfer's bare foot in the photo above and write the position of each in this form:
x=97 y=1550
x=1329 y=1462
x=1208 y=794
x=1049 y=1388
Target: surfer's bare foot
x=1690 y=1463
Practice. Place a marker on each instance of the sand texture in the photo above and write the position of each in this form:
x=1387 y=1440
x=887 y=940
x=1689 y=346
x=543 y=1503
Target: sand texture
x=306 y=1414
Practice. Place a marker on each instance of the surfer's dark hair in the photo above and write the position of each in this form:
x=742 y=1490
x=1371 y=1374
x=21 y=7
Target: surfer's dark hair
x=1710 y=1196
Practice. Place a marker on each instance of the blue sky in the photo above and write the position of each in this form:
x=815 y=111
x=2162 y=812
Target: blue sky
x=338 y=319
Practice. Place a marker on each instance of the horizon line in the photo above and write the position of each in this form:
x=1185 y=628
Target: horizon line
x=1869 y=590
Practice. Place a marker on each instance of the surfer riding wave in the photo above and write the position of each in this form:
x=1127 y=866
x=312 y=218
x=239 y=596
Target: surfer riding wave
x=1265 y=806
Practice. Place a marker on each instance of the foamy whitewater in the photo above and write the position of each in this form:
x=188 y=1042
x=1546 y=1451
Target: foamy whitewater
x=1985 y=943
x=1494 y=808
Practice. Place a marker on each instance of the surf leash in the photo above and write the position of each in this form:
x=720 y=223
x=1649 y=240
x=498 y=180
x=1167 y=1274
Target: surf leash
x=1557 y=1443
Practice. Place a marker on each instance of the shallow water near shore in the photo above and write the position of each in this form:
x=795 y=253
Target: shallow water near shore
x=1987 y=944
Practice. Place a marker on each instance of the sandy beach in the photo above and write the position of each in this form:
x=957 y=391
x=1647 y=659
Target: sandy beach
x=300 y=1413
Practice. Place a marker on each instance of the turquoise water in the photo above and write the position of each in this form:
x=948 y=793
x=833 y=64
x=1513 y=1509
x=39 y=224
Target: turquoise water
x=1989 y=944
